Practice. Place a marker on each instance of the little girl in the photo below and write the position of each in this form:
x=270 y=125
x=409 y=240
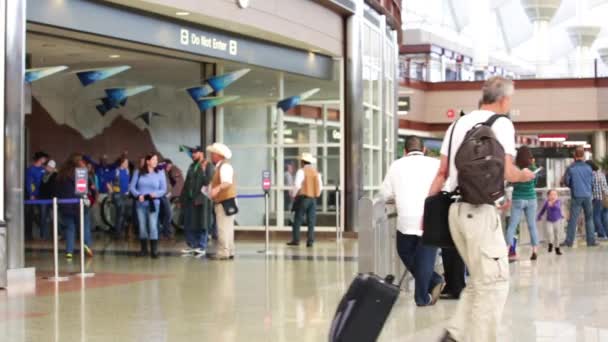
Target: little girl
x=553 y=208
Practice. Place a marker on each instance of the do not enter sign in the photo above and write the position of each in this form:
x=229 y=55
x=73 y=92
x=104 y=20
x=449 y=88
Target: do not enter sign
x=81 y=181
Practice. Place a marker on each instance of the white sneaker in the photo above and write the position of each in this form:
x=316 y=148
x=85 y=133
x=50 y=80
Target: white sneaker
x=200 y=252
x=188 y=250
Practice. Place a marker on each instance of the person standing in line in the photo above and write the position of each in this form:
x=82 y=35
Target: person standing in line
x=70 y=213
x=196 y=206
x=554 y=218
x=524 y=201
x=46 y=192
x=600 y=191
x=579 y=178
x=33 y=179
x=223 y=193
x=119 y=190
x=148 y=186
x=307 y=188
x=289 y=182
x=106 y=173
x=408 y=182
x=476 y=229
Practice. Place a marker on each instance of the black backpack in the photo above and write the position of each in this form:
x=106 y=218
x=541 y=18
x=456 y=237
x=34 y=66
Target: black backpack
x=480 y=162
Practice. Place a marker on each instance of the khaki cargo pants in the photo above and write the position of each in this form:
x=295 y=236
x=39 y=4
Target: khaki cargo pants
x=478 y=236
x=225 y=232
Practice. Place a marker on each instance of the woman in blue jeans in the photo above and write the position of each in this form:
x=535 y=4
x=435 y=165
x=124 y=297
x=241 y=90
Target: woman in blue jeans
x=524 y=202
x=600 y=189
x=70 y=213
x=148 y=186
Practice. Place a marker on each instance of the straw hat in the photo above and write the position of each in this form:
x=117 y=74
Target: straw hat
x=307 y=157
x=221 y=149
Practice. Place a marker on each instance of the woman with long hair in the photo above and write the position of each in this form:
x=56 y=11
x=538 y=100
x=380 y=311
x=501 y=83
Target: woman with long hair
x=148 y=186
x=524 y=202
x=70 y=213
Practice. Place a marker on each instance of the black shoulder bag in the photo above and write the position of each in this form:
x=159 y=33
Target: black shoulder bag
x=436 y=227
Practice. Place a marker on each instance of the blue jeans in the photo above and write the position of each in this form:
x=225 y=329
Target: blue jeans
x=575 y=210
x=420 y=261
x=70 y=225
x=598 y=218
x=196 y=237
x=165 y=210
x=45 y=224
x=518 y=208
x=148 y=221
x=308 y=207
x=121 y=206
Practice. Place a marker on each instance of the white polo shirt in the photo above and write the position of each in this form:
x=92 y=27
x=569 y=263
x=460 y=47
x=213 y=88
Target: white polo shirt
x=503 y=130
x=408 y=181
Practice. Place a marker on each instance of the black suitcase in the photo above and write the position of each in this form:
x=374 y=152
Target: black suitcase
x=364 y=308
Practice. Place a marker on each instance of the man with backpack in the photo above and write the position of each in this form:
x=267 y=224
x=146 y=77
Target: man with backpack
x=481 y=149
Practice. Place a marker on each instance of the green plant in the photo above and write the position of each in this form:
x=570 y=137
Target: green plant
x=603 y=163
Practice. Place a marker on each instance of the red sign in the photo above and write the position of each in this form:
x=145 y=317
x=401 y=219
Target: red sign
x=451 y=113
x=81 y=177
x=81 y=186
x=266 y=183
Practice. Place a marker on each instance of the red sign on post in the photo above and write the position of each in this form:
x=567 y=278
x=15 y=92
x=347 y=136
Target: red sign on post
x=451 y=113
x=266 y=184
x=81 y=181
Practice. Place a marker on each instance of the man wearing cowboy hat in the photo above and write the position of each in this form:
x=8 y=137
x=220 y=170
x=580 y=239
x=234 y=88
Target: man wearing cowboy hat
x=197 y=208
x=223 y=193
x=307 y=189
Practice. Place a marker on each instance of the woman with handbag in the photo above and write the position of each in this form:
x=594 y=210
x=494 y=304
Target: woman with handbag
x=524 y=202
x=148 y=186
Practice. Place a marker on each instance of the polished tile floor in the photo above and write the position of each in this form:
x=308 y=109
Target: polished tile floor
x=291 y=296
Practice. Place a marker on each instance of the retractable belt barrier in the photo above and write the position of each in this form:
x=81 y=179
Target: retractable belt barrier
x=55 y=202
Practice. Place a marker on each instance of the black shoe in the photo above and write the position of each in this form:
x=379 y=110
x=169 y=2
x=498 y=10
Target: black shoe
x=558 y=251
x=144 y=248
x=447 y=338
x=534 y=257
x=154 y=248
x=595 y=244
x=550 y=247
x=293 y=243
x=309 y=244
x=449 y=296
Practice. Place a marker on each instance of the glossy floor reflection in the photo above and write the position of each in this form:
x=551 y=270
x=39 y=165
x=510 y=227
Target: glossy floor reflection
x=289 y=297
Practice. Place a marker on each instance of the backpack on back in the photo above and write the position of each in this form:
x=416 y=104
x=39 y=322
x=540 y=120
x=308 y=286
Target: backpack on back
x=480 y=161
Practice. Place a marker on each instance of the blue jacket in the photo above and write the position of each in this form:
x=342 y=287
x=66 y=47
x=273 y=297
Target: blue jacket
x=33 y=179
x=579 y=178
x=105 y=174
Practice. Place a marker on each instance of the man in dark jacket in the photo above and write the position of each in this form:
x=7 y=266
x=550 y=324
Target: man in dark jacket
x=196 y=206
x=579 y=178
x=47 y=187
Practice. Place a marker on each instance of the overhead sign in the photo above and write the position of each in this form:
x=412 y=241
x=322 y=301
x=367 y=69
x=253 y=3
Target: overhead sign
x=81 y=178
x=195 y=39
x=404 y=104
x=266 y=183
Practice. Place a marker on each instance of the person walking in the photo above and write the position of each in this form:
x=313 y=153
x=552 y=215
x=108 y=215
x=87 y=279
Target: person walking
x=554 y=218
x=524 y=201
x=65 y=188
x=600 y=191
x=47 y=186
x=579 y=178
x=307 y=188
x=223 y=193
x=148 y=186
x=195 y=204
x=408 y=182
x=119 y=190
x=476 y=229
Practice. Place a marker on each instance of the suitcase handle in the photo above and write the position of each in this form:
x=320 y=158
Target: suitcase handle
x=391 y=278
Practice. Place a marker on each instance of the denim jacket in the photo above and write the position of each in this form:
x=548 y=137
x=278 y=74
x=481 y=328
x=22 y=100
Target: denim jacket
x=579 y=178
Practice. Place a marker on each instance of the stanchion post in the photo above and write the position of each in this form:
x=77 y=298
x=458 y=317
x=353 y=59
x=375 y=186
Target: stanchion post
x=338 y=225
x=56 y=276
x=266 y=203
x=82 y=259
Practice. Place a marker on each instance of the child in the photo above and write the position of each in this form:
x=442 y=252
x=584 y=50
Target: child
x=554 y=220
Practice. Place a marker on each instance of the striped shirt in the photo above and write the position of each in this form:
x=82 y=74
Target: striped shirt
x=600 y=186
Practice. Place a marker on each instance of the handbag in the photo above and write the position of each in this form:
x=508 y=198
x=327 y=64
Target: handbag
x=230 y=207
x=435 y=220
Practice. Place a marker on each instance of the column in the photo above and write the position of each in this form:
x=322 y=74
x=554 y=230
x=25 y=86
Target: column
x=599 y=145
x=480 y=12
x=582 y=37
x=280 y=181
x=207 y=117
x=353 y=117
x=540 y=14
x=603 y=53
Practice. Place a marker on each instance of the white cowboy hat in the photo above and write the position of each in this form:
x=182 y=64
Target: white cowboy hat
x=307 y=157
x=221 y=149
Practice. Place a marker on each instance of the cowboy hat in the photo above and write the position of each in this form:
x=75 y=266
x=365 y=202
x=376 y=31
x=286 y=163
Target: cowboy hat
x=307 y=157
x=221 y=149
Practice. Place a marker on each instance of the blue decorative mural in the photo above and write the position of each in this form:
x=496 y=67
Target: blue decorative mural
x=206 y=103
x=35 y=74
x=291 y=102
x=117 y=97
x=88 y=77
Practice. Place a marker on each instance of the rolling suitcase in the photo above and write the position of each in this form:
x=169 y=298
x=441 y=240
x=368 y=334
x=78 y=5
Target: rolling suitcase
x=364 y=308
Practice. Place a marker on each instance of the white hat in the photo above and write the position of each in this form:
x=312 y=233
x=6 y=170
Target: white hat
x=51 y=163
x=307 y=157
x=221 y=149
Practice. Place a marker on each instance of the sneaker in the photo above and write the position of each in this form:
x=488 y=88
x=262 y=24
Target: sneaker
x=593 y=245
x=69 y=256
x=512 y=258
x=188 y=250
x=534 y=257
x=293 y=243
x=558 y=251
x=550 y=247
x=88 y=251
x=309 y=244
x=436 y=292
x=200 y=252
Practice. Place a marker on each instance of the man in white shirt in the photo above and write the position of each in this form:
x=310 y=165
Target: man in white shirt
x=476 y=229
x=408 y=181
x=223 y=192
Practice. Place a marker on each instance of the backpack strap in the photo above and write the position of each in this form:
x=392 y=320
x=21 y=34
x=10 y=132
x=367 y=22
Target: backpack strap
x=450 y=146
x=493 y=119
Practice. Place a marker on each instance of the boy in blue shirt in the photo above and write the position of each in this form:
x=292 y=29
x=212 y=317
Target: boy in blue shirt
x=33 y=180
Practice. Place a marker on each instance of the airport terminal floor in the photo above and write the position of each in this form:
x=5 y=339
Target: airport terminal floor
x=291 y=296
